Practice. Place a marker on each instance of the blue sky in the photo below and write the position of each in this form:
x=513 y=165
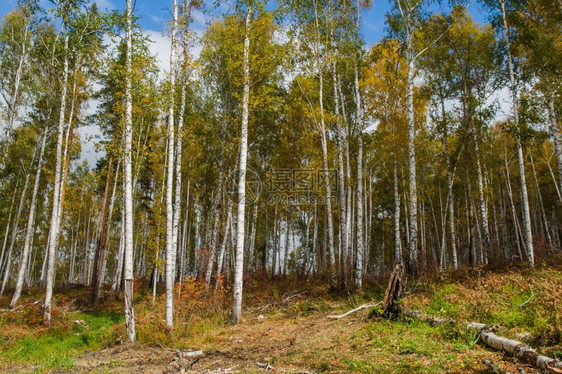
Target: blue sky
x=155 y=13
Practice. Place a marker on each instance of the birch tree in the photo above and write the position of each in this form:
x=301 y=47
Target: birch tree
x=128 y=185
x=171 y=231
x=30 y=222
x=236 y=316
x=54 y=228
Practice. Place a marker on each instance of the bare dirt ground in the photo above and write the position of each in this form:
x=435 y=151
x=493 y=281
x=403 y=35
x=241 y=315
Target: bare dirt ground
x=309 y=344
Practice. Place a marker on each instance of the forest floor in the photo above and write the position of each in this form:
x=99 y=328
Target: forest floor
x=286 y=328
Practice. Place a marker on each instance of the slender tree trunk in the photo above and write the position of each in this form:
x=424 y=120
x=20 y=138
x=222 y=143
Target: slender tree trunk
x=29 y=229
x=236 y=316
x=185 y=236
x=252 y=248
x=57 y=191
x=314 y=240
x=359 y=261
x=482 y=202
x=503 y=224
x=469 y=219
x=109 y=217
x=118 y=275
x=555 y=132
x=528 y=235
x=286 y=246
x=15 y=230
x=341 y=179
x=12 y=105
x=274 y=248
x=179 y=142
x=541 y=204
x=327 y=183
x=216 y=227
x=397 y=236
x=558 y=193
x=413 y=243
x=220 y=259
x=450 y=198
x=102 y=235
x=170 y=229
x=513 y=211
x=7 y=232
x=128 y=187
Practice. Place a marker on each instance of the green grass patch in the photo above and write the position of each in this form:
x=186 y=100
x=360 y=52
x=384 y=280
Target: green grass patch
x=57 y=346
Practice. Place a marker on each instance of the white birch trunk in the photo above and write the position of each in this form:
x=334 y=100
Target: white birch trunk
x=555 y=132
x=6 y=233
x=397 y=236
x=178 y=184
x=54 y=228
x=541 y=203
x=482 y=203
x=413 y=195
x=15 y=232
x=29 y=230
x=170 y=248
x=528 y=235
x=330 y=233
x=220 y=259
x=359 y=118
x=216 y=229
x=236 y=316
x=253 y=235
x=12 y=106
x=450 y=198
x=118 y=275
x=128 y=187
x=343 y=249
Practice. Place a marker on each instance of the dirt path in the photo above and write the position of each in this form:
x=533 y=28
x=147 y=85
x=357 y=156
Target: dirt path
x=281 y=343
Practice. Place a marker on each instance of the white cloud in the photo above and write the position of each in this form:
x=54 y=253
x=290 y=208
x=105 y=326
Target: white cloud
x=199 y=18
x=160 y=47
x=105 y=4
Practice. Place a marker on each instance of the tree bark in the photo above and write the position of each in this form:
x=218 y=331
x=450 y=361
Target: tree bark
x=216 y=228
x=359 y=260
x=482 y=203
x=128 y=187
x=413 y=244
x=555 y=132
x=528 y=235
x=15 y=231
x=54 y=228
x=220 y=260
x=170 y=229
x=324 y=140
x=102 y=234
x=541 y=204
x=30 y=221
x=236 y=316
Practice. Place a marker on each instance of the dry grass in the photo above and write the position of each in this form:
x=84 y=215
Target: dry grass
x=285 y=326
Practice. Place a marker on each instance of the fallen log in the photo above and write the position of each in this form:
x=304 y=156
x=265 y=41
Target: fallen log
x=364 y=306
x=516 y=348
x=487 y=336
x=394 y=291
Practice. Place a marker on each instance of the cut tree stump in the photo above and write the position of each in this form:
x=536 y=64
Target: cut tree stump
x=394 y=291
